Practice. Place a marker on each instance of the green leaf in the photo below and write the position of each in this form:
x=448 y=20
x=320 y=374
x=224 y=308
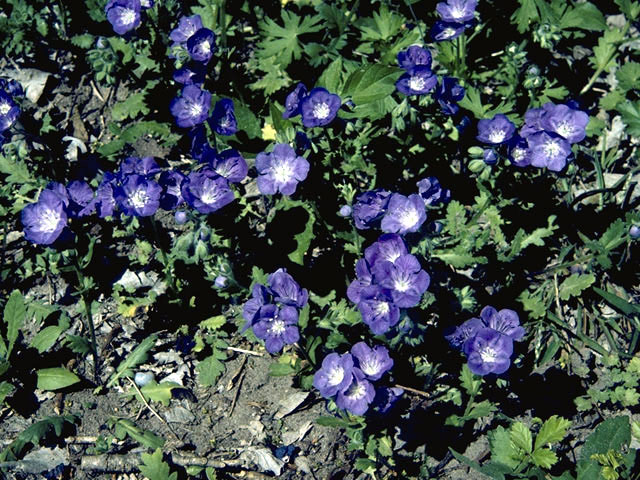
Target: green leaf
x=630 y=8
x=502 y=449
x=552 y=431
x=209 y=370
x=277 y=369
x=135 y=358
x=33 y=434
x=55 y=378
x=630 y=112
x=628 y=76
x=47 y=337
x=332 y=422
x=159 y=392
x=331 y=78
x=473 y=102
x=612 y=434
x=614 y=236
x=526 y=14
x=520 y=435
x=382 y=26
x=585 y=16
x=457 y=258
x=14 y=315
x=603 y=53
x=78 y=344
x=481 y=409
x=247 y=121
x=575 y=284
x=6 y=389
x=620 y=303
x=544 y=458
x=126 y=427
x=493 y=470
x=130 y=108
x=154 y=468
x=83 y=41
x=470 y=382
x=371 y=83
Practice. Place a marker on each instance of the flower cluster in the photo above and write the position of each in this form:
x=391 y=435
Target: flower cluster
x=488 y=341
x=272 y=311
x=388 y=278
x=126 y=15
x=419 y=79
x=9 y=109
x=544 y=140
x=318 y=107
x=397 y=213
x=280 y=170
x=456 y=16
x=347 y=378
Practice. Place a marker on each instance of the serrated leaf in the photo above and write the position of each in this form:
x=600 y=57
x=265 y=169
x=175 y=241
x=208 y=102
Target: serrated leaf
x=544 y=458
x=371 y=83
x=33 y=434
x=278 y=369
x=585 y=16
x=470 y=382
x=628 y=76
x=607 y=46
x=457 y=258
x=525 y=14
x=14 y=315
x=209 y=370
x=78 y=344
x=482 y=409
x=614 y=236
x=83 y=41
x=612 y=434
x=154 y=468
x=630 y=112
x=130 y=108
x=135 y=358
x=331 y=77
x=159 y=392
x=575 y=284
x=521 y=437
x=126 y=427
x=247 y=121
x=552 y=431
x=502 y=449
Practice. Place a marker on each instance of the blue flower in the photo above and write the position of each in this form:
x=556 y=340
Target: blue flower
x=388 y=248
x=229 y=164
x=292 y=102
x=319 y=107
x=192 y=108
x=370 y=207
x=171 y=183
x=357 y=397
x=443 y=31
x=280 y=170
x=286 y=290
x=488 y=352
x=548 y=149
x=373 y=362
x=187 y=26
x=9 y=111
x=432 y=192
x=44 y=220
x=138 y=196
x=335 y=374
x=193 y=73
x=417 y=81
x=201 y=45
x=457 y=11
x=276 y=326
x=404 y=278
x=378 y=310
x=223 y=119
x=449 y=93
x=496 y=130
x=414 y=56
x=206 y=191
x=404 y=214
x=124 y=15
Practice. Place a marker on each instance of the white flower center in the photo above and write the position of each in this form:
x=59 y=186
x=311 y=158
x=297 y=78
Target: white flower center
x=282 y=172
x=128 y=16
x=489 y=355
x=4 y=108
x=409 y=217
x=371 y=366
x=277 y=327
x=382 y=308
x=195 y=109
x=335 y=377
x=321 y=111
x=416 y=83
x=448 y=32
x=356 y=392
x=497 y=136
x=457 y=12
x=209 y=193
x=518 y=154
x=205 y=46
x=565 y=129
x=402 y=284
x=139 y=198
x=49 y=220
x=551 y=148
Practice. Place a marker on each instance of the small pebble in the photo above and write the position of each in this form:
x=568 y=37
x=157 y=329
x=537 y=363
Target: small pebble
x=142 y=378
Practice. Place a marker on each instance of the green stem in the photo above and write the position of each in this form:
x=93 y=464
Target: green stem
x=415 y=18
x=223 y=23
x=87 y=309
x=165 y=260
x=601 y=69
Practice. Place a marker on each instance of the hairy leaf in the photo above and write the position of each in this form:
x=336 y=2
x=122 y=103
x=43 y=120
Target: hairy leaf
x=154 y=468
x=575 y=284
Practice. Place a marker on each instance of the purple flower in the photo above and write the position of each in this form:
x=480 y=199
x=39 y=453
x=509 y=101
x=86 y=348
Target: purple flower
x=505 y=322
x=138 y=196
x=12 y=87
x=488 y=351
x=457 y=11
x=105 y=199
x=549 y=150
x=370 y=207
x=276 y=326
x=44 y=220
x=9 y=111
x=388 y=248
x=206 y=191
x=496 y=130
x=171 y=183
x=192 y=73
x=363 y=279
x=292 y=102
x=405 y=278
x=417 y=81
x=448 y=93
x=181 y=217
x=59 y=190
x=81 y=199
x=404 y=214
x=335 y=374
x=565 y=121
x=378 y=310
x=386 y=398
x=532 y=122
x=200 y=148
x=286 y=290
x=373 y=362
x=230 y=165
x=201 y=45
x=187 y=26
x=345 y=211
x=192 y=108
x=302 y=143
x=489 y=156
x=432 y=192
x=634 y=232
x=413 y=56
x=519 y=151
x=124 y=15
x=464 y=332
x=319 y=107
x=357 y=397
x=260 y=296
x=442 y=31
x=145 y=166
x=223 y=119
x=280 y=170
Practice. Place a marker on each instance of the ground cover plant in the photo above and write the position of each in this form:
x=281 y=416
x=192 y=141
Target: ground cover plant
x=328 y=240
